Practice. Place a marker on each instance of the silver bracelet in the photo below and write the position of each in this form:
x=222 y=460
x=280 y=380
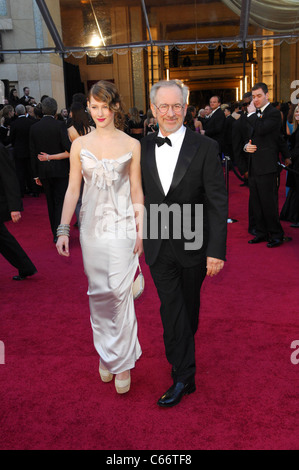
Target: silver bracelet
x=63 y=229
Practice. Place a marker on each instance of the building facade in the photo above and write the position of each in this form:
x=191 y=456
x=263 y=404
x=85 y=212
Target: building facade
x=112 y=41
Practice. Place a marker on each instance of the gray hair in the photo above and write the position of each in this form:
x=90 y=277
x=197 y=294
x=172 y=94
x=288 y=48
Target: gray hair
x=49 y=106
x=20 y=109
x=169 y=83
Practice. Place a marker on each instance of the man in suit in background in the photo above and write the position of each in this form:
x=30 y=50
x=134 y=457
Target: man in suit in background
x=264 y=145
x=181 y=178
x=214 y=125
x=19 y=134
x=10 y=209
x=49 y=148
x=241 y=133
x=26 y=98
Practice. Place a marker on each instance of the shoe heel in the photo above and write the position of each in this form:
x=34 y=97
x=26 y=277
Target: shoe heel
x=105 y=375
x=122 y=386
x=191 y=389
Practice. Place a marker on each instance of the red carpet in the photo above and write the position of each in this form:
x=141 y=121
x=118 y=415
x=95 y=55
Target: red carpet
x=247 y=386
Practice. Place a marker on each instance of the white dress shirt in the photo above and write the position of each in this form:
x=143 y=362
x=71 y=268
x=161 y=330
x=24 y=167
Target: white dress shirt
x=166 y=157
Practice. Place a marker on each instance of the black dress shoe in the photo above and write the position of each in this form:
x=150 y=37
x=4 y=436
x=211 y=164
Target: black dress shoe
x=175 y=393
x=21 y=277
x=275 y=242
x=257 y=240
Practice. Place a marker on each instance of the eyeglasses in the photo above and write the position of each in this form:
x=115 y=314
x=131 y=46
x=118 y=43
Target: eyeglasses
x=164 y=108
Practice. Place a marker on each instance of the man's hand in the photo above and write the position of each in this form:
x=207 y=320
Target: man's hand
x=251 y=108
x=214 y=266
x=250 y=148
x=38 y=181
x=15 y=216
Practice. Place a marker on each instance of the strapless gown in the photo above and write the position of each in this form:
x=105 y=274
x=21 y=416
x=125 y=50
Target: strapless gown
x=107 y=237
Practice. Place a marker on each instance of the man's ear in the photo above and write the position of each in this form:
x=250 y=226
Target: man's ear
x=153 y=108
x=185 y=109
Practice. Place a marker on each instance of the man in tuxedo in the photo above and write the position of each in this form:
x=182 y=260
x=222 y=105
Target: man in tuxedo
x=185 y=199
x=264 y=145
x=215 y=123
x=19 y=134
x=10 y=209
x=26 y=99
x=49 y=148
x=241 y=133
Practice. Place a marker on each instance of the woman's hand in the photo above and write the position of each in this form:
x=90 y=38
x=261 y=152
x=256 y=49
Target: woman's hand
x=43 y=157
x=62 y=245
x=138 y=246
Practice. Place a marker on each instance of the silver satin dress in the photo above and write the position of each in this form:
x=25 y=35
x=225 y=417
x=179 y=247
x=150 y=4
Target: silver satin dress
x=107 y=237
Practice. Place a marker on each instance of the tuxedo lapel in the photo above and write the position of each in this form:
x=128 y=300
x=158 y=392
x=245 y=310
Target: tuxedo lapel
x=187 y=152
x=151 y=162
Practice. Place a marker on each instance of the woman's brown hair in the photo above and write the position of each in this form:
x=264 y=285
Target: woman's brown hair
x=108 y=93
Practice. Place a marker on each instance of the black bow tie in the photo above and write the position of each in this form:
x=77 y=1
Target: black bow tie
x=259 y=112
x=160 y=141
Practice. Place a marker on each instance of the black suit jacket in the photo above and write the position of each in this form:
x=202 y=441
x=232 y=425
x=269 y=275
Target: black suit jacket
x=265 y=133
x=241 y=133
x=19 y=135
x=228 y=136
x=198 y=179
x=10 y=197
x=49 y=135
x=25 y=100
x=214 y=127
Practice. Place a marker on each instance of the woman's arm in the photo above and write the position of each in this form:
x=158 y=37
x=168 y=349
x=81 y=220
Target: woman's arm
x=71 y=196
x=45 y=157
x=137 y=196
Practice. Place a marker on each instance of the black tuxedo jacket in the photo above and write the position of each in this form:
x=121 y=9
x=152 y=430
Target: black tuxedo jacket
x=198 y=180
x=227 y=147
x=214 y=127
x=10 y=197
x=294 y=141
x=241 y=131
x=265 y=133
x=49 y=135
x=25 y=100
x=19 y=135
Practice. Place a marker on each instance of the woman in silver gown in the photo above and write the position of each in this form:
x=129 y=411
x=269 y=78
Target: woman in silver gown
x=110 y=231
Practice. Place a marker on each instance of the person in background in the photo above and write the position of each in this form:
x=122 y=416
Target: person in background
x=49 y=150
x=13 y=100
x=264 y=146
x=26 y=98
x=135 y=124
x=19 y=135
x=80 y=126
x=10 y=209
x=290 y=209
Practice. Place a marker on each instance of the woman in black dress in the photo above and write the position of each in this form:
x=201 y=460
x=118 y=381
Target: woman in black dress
x=135 y=124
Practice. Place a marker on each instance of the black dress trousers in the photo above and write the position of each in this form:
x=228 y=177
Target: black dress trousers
x=179 y=292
